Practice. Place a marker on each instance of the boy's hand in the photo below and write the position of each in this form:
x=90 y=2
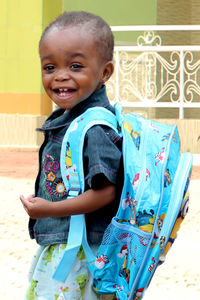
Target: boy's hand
x=89 y=201
x=36 y=207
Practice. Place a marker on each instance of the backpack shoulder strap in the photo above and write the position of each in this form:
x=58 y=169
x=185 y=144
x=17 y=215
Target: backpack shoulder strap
x=73 y=142
x=73 y=177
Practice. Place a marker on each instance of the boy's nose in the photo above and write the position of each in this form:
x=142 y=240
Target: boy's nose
x=61 y=75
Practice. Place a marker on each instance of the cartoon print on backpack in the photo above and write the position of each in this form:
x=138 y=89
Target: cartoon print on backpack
x=160 y=156
x=151 y=267
x=167 y=178
x=68 y=156
x=165 y=137
x=138 y=293
x=174 y=138
x=157 y=230
x=160 y=221
x=137 y=177
x=76 y=124
x=127 y=202
x=179 y=220
x=123 y=251
x=134 y=135
x=125 y=270
x=154 y=128
x=118 y=288
x=101 y=261
x=68 y=161
x=145 y=221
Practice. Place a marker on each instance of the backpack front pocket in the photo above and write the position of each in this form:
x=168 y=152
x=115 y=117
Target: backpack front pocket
x=119 y=257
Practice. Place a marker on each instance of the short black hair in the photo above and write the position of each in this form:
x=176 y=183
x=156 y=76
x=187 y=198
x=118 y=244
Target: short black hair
x=95 y=24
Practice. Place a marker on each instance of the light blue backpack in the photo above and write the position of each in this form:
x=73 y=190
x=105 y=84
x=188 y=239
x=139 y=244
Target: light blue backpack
x=154 y=201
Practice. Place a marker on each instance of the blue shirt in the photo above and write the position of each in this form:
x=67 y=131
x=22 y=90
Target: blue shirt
x=102 y=159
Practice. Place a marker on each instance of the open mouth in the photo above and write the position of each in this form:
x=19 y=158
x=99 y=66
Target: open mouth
x=64 y=92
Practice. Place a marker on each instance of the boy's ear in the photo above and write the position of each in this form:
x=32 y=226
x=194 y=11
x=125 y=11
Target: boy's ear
x=108 y=71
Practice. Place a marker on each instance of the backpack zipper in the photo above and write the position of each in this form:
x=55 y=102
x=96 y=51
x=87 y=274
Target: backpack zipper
x=140 y=188
x=162 y=248
x=152 y=234
x=133 y=212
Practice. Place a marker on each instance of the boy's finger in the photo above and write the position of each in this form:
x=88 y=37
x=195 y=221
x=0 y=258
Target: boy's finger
x=23 y=200
x=30 y=197
x=21 y=197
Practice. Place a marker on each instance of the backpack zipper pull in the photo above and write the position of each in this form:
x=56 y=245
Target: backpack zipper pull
x=133 y=212
x=162 y=248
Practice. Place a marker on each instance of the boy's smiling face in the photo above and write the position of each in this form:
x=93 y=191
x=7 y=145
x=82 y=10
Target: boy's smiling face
x=72 y=68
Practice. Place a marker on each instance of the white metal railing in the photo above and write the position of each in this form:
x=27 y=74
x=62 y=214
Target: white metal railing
x=150 y=74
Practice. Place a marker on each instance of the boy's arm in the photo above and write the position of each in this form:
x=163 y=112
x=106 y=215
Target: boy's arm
x=89 y=201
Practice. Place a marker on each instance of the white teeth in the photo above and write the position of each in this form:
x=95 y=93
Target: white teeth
x=63 y=90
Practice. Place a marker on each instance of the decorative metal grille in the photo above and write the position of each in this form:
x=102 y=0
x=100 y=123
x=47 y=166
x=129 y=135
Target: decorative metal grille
x=155 y=75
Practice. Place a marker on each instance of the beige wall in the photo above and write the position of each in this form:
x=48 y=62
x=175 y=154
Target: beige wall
x=18 y=131
x=179 y=12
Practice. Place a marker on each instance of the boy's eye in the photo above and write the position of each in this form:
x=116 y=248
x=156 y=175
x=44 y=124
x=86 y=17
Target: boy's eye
x=49 y=68
x=76 y=66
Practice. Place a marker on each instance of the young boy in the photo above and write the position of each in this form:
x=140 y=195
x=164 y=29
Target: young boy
x=76 y=58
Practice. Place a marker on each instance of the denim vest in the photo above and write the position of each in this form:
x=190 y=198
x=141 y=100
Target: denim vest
x=49 y=184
